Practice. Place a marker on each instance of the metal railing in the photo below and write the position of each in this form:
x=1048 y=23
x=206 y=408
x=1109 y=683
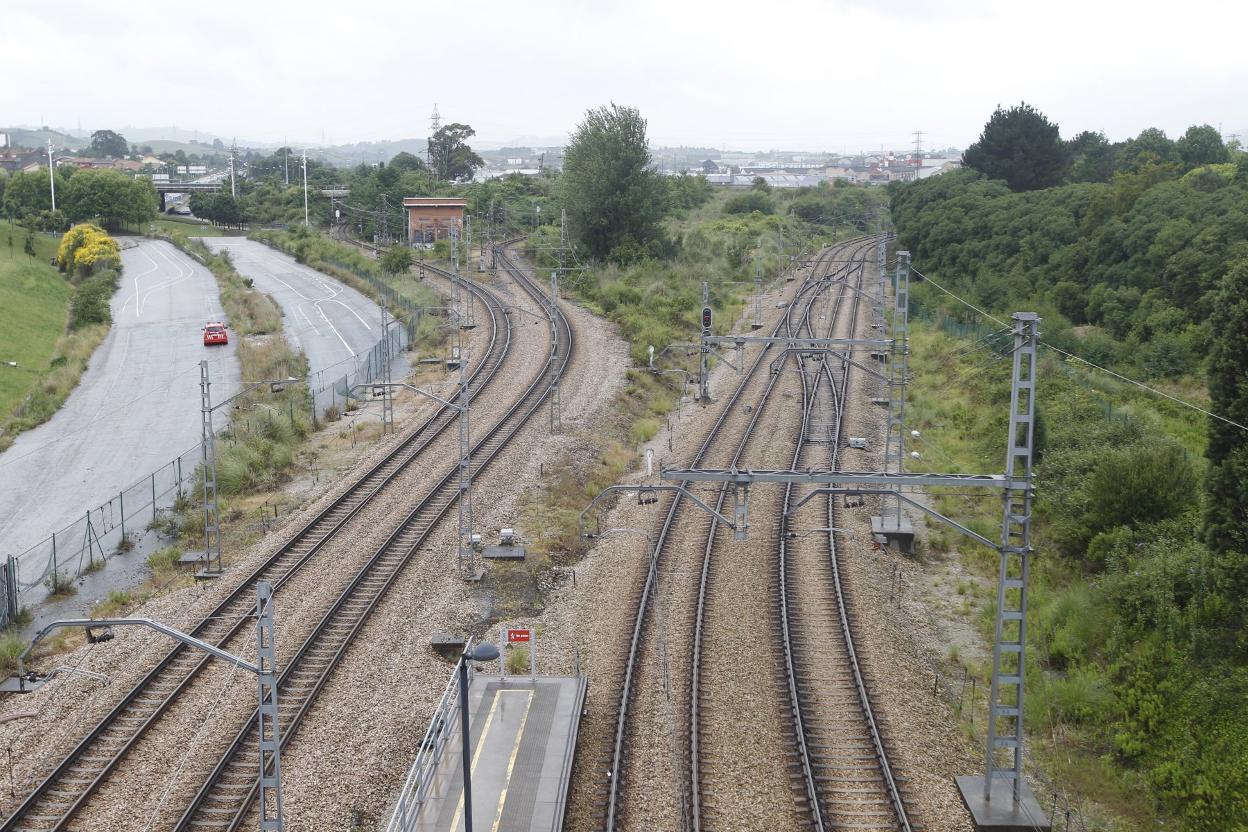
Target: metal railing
x=443 y=725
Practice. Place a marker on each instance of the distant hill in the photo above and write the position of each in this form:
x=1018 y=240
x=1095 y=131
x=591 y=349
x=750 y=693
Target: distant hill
x=28 y=137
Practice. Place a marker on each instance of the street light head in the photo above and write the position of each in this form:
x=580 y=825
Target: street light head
x=483 y=652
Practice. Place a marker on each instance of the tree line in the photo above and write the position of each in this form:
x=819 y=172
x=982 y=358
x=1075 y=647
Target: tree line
x=109 y=196
x=1134 y=254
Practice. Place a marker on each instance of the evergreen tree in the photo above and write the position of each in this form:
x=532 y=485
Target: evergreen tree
x=1020 y=146
x=615 y=200
x=1226 y=517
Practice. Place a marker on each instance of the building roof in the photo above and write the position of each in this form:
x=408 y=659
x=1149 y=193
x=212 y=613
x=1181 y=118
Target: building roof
x=434 y=202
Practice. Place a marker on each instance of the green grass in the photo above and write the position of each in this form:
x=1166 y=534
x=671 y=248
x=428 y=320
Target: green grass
x=1117 y=647
x=347 y=264
x=34 y=301
x=194 y=228
x=11 y=646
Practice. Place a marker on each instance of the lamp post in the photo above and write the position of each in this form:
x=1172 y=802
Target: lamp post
x=305 y=188
x=483 y=652
x=52 y=175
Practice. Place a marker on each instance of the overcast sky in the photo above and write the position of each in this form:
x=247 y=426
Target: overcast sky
x=809 y=74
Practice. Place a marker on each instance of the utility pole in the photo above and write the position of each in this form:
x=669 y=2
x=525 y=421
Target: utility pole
x=51 y=174
x=490 y=226
x=704 y=384
x=233 y=151
x=1005 y=718
x=563 y=239
x=305 y=188
x=758 y=288
x=268 y=736
x=555 y=420
x=208 y=458
x=895 y=446
x=286 y=162
x=387 y=400
x=467 y=546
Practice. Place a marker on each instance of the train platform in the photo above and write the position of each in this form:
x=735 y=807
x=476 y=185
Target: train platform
x=522 y=737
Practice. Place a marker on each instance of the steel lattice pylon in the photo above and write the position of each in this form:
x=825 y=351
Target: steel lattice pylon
x=269 y=735
x=895 y=443
x=1005 y=718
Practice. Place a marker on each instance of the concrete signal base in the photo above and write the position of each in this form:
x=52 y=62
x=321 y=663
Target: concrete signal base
x=1001 y=813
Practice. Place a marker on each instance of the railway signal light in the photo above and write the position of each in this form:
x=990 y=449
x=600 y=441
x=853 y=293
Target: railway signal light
x=706 y=320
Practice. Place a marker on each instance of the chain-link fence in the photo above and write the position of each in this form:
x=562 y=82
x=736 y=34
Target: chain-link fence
x=332 y=391
x=110 y=528
x=105 y=530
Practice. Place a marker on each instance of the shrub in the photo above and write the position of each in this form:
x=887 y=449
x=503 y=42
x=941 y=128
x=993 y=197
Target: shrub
x=750 y=201
x=11 y=646
x=1138 y=484
x=59 y=584
x=85 y=248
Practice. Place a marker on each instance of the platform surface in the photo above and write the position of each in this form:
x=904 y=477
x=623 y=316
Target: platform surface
x=523 y=734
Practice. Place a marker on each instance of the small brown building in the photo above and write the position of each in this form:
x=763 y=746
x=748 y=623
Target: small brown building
x=432 y=218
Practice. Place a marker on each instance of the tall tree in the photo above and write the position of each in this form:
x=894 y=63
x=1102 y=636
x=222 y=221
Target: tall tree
x=1091 y=157
x=29 y=193
x=111 y=196
x=1202 y=145
x=1152 y=146
x=615 y=200
x=106 y=143
x=404 y=161
x=1226 y=517
x=1020 y=146
x=452 y=157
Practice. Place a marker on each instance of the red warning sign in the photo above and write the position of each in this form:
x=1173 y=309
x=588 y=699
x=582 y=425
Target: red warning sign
x=514 y=636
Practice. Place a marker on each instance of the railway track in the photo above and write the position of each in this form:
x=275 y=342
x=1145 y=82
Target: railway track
x=712 y=749
x=618 y=766
x=226 y=797
x=62 y=793
x=845 y=777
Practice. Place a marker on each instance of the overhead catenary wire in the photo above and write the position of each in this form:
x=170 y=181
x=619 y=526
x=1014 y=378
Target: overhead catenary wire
x=1106 y=370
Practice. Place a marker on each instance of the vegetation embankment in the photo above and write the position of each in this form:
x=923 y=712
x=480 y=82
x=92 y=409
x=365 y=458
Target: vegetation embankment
x=641 y=264
x=52 y=320
x=257 y=450
x=347 y=264
x=1140 y=663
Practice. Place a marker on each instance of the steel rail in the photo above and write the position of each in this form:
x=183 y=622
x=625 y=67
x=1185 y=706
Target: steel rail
x=615 y=772
x=225 y=798
x=64 y=791
x=825 y=282
x=790 y=625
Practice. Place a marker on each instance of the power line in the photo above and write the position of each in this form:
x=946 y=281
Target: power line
x=1074 y=357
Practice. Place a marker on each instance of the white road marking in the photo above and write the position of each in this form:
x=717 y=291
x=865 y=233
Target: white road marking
x=141 y=250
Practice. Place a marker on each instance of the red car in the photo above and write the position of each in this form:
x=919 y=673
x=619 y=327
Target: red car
x=214 y=333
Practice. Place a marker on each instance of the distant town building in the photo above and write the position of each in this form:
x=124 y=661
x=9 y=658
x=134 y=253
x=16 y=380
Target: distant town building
x=432 y=218
x=20 y=160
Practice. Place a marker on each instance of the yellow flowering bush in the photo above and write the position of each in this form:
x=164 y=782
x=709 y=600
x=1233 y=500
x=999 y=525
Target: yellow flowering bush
x=86 y=247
